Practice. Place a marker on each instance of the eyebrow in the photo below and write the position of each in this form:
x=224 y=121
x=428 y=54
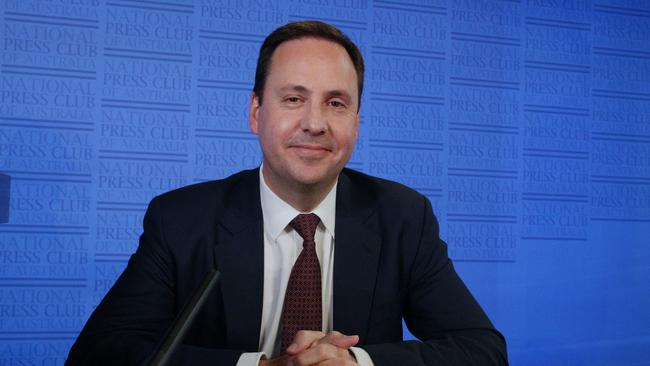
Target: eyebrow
x=340 y=93
x=295 y=88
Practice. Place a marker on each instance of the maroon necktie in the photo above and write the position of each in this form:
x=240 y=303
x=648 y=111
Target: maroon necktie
x=302 y=302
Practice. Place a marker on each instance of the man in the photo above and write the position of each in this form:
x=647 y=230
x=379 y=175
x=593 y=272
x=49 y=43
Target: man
x=334 y=296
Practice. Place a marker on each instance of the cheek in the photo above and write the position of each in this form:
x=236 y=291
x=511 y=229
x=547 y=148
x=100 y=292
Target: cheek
x=274 y=136
x=346 y=137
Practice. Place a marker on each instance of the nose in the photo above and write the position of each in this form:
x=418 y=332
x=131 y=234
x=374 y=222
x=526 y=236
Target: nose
x=314 y=121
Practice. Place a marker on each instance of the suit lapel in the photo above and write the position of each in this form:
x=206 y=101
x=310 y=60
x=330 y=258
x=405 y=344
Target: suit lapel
x=356 y=258
x=239 y=255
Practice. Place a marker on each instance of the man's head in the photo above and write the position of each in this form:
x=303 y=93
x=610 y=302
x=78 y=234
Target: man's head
x=304 y=29
x=309 y=121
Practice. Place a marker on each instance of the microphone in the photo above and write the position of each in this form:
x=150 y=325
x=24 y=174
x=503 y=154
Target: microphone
x=182 y=323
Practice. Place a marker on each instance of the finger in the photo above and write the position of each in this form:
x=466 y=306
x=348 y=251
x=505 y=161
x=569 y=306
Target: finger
x=306 y=339
x=340 y=340
x=303 y=340
x=338 y=362
x=319 y=353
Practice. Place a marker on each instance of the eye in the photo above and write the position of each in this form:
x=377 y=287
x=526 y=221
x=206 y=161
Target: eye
x=292 y=99
x=336 y=104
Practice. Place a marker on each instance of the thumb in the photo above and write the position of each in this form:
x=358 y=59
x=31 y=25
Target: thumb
x=344 y=341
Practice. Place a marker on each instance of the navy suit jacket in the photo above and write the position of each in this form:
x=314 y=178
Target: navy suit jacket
x=389 y=264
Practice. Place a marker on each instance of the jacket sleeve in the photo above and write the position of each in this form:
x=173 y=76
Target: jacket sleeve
x=129 y=322
x=440 y=311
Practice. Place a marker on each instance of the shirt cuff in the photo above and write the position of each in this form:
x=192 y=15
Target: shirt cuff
x=363 y=358
x=250 y=358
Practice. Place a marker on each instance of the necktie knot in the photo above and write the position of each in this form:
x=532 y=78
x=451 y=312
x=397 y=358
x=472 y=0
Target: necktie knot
x=305 y=225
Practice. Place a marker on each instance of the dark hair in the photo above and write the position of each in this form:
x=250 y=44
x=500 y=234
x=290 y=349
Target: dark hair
x=304 y=29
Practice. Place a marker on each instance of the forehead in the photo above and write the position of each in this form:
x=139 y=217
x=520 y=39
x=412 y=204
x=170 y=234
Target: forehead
x=310 y=59
x=308 y=46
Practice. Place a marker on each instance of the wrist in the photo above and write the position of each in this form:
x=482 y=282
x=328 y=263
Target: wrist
x=352 y=355
x=278 y=361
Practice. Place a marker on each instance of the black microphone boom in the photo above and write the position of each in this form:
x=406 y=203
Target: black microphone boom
x=182 y=323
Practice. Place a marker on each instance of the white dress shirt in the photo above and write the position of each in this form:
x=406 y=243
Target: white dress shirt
x=282 y=246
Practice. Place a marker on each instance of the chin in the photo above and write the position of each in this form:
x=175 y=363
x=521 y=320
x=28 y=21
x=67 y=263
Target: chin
x=310 y=177
x=309 y=180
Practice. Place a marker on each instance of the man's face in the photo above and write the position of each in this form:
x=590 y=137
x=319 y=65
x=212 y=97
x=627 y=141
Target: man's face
x=309 y=119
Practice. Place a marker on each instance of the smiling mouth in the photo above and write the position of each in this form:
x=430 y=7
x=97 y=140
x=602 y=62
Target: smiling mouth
x=310 y=147
x=310 y=151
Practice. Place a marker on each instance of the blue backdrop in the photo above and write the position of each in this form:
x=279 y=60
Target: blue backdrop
x=525 y=122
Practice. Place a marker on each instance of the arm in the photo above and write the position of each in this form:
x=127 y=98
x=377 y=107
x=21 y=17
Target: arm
x=440 y=311
x=437 y=306
x=136 y=312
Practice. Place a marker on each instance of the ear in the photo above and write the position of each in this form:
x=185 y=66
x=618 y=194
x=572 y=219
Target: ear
x=358 y=124
x=253 y=112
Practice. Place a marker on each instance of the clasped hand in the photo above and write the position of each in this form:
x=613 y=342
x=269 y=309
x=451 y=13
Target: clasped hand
x=317 y=348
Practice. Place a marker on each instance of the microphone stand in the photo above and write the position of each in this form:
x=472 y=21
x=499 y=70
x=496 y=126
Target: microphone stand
x=182 y=323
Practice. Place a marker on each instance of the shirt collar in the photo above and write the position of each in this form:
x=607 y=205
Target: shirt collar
x=278 y=214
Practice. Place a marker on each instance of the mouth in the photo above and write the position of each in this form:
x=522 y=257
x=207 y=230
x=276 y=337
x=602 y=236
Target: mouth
x=310 y=150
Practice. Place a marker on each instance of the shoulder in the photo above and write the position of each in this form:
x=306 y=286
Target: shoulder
x=220 y=187
x=210 y=197
x=378 y=189
x=401 y=216
x=378 y=194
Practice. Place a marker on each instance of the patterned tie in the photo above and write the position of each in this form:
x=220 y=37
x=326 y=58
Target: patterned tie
x=302 y=302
